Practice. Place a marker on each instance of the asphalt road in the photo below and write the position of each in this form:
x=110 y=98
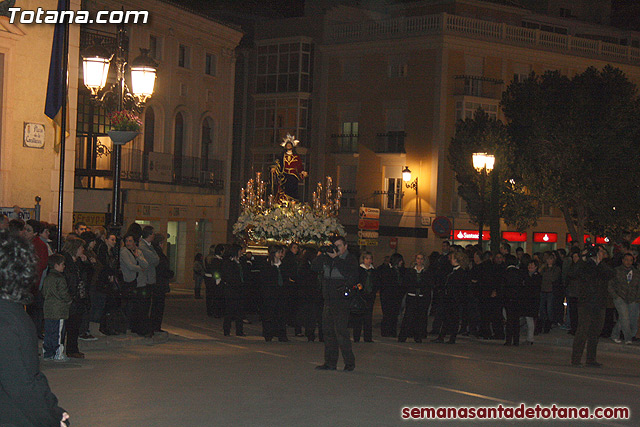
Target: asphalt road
x=198 y=377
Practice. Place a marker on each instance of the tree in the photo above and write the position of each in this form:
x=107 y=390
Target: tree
x=505 y=197
x=577 y=144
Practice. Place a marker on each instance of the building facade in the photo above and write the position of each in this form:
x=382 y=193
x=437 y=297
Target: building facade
x=176 y=174
x=29 y=149
x=388 y=86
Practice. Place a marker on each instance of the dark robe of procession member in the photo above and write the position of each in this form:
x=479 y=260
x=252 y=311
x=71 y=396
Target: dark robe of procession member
x=391 y=293
x=369 y=278
x=274 y=278
x=309 y=296
x=25 y=396
x=234 y=278
x=513 y=294
x=453 y=294
x=419 y=281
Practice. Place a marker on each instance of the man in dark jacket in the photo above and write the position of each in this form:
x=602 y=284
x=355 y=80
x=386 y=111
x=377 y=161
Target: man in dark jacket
x=592 y=299
x=339 y=275
x=25 y=396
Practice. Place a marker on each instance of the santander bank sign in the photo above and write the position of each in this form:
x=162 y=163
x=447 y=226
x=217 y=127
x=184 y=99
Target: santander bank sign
x=470 y=235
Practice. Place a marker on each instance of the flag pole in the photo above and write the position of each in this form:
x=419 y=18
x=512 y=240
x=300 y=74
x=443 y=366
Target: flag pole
x=63 y=126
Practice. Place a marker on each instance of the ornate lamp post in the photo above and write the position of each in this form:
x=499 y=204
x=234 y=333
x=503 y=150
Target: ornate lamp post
x=483 y=163
x=96 y=61
x=406 y=177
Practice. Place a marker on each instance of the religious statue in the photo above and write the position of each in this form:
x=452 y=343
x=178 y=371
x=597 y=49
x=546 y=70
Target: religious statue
x=287 y=172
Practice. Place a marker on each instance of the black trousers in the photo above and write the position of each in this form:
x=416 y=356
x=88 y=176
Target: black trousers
x=274 y=312
x=413 y=323
x=310 y=317
x=140 y=305
x=390 y=301
x=233 y=312
x=72 y=325
x=335 y=318
x=158 y=296
x=364 y=323
x=451 y=321
x=513 y=323
x=214 y=298
x=572 y=307
x=590 y=321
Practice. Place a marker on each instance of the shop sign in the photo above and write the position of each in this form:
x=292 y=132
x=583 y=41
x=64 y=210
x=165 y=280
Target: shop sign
x=365 y=234
x=368 y=224
x=545 y=237
x=570 y=239
x=514 y=236
x=92 y=219
x=470 y=235
x=369 y=213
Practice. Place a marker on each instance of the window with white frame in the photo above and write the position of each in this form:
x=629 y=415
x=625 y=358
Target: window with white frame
x=348 y=138
x=467 y=109
x=275 y=118
x=184 y=56
x=521 y=72
x=397 y=66
x=393 y=187
x=347 y=182
x=210 y=64
x=155 y=47
x=284 y=67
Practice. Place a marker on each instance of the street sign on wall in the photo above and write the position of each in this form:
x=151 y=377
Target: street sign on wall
x=442 y=226
x=369 y=213
x=368 y=225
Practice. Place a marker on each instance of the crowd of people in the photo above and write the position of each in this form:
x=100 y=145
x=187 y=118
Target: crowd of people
x=91 y=279
x=465 y=291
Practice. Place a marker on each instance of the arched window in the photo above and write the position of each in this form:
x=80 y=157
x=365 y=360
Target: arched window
x=207 y=149
x=178 y=144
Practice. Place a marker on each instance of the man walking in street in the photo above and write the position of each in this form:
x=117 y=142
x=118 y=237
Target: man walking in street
x=625 y=291
x=339 y=271
x=592 y=299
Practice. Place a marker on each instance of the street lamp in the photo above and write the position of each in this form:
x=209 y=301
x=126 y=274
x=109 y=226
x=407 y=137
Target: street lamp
x=406 y=177
x=96 y=61
x=483 y=163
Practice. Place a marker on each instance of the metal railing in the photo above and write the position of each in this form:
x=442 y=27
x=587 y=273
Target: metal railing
x=136 y=165
x=390 y=142
x=477 y=28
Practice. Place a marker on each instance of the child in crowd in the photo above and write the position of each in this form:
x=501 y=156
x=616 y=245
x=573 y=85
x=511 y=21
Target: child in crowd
x=56 y=309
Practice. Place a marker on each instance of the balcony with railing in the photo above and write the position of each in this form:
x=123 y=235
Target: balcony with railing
x=391 y=142
x=344 y=143
x=479 y=29
x=94 y=168
x=478 y=86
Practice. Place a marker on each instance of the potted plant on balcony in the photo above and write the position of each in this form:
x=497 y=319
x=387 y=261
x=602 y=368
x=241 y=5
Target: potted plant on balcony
x=125 y=125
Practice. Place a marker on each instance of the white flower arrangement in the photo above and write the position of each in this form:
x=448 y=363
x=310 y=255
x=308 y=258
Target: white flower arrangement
x=285 y=224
